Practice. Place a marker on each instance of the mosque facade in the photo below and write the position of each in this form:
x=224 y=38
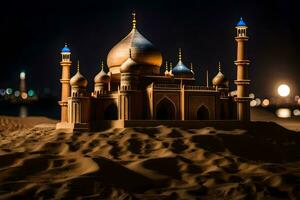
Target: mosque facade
x=135 y=89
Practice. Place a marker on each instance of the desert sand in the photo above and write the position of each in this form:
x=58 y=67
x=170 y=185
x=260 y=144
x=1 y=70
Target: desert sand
x=259 y=160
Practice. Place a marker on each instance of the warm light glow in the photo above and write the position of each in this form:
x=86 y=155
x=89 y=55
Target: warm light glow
x=296 y=112
x=283 y=113
x=22 y=75
x=251 y=95
x=283 y=90
x=253 y=103
x=258 y=101
x=24 y=95
x=265 y=103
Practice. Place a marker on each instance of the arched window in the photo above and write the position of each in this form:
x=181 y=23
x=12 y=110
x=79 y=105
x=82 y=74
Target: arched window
x=165 y=110
x=202 y=113
x=111 y=112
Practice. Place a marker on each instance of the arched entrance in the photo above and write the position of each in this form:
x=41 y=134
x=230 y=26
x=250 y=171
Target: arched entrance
x=202 y=113
x=165 y=110
x=111 y=112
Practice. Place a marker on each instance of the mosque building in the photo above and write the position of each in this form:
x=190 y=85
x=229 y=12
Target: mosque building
x=134 y=89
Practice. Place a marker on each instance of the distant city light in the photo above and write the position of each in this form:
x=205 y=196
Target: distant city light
x=296 y=112
x=9 y=91
x=22 y=75
x=2 y=92
x=253 y=103
x=283 y=90
x=265 y=103
x=283 y=113
x=17 y=93
x=24 y=95
x=258 y=101
x=233 y=93
x=31 y=93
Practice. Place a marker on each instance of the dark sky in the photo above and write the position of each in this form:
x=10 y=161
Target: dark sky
x=33 y=33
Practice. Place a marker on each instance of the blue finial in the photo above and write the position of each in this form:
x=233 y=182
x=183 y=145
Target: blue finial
x=66 y=49
x=241 y=23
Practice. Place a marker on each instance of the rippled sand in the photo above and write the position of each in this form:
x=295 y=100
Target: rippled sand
x=255 y=161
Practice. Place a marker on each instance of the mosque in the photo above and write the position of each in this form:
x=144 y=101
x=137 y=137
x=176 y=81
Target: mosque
x=135 y=89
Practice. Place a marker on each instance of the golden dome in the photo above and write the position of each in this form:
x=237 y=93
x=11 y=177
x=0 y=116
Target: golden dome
x=102 y=76
x=129 y=66
x=78 y=80
x=143 y=52
x=220 y=80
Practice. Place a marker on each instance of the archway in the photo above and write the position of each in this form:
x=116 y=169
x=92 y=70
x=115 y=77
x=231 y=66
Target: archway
x=111 y=112
x=165 y=110
x=202 y=113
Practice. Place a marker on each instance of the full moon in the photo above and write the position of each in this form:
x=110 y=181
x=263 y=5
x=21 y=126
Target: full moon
x=283 y=90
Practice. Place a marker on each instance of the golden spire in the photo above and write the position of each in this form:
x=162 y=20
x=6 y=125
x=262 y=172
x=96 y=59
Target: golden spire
x=179 y=54
x=102 y=65
x=167 y=69
x=133 y=20
x=78 y=65
x=192 y=69
x=171 y=66
x=219 y=66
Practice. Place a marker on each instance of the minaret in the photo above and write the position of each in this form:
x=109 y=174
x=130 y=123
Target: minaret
x=65 y=82
x=22 y=82
x=242 y=82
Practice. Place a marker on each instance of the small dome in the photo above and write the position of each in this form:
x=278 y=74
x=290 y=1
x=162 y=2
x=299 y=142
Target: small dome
x=78 y=80
x=66 y=49
x=220 y=80
x=241 y=23
x=181 y=69
x=102 y=77
x=129 y=66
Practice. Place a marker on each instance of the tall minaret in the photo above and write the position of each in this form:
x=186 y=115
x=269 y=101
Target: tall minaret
x=242 y=82
x=65 y=82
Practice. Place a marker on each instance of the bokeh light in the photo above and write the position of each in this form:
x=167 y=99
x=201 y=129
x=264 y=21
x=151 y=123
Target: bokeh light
x=251 y=95
x=253 y=103
x=22 y=75
x=31 y=93
x=9 y=91
x=284 y=90
x=17 y=93
x=24 y=95
x=258 y=101
x=283 y=113
x=296 y=112
x=265 y=103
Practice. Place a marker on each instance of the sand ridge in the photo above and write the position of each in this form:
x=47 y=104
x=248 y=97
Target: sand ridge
x=256 y=161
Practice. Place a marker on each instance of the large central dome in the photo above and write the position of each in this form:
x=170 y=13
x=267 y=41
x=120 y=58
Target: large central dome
x=142 y=51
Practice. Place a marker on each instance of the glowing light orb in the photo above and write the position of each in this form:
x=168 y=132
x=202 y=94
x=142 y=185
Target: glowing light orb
x=296 y=112
x=22 y=75
x=284 y=90
x=265 y=103
x=253 y=103
x=283 y=113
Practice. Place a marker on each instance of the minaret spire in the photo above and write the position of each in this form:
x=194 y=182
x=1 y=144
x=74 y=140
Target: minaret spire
x=167 y=67
x=219 y=66
x=102 y=65
x=192 y=68
x=78 y=65
x=179 y=54
x=133 y=20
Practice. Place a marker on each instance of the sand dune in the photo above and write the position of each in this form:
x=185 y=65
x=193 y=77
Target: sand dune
x=251 y=161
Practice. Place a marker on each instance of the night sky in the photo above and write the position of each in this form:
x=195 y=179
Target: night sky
x=33 y=33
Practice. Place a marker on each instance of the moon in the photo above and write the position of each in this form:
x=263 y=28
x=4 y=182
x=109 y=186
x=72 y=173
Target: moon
x=283 y=90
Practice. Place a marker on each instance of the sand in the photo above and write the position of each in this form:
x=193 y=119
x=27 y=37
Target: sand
x=260 y=160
